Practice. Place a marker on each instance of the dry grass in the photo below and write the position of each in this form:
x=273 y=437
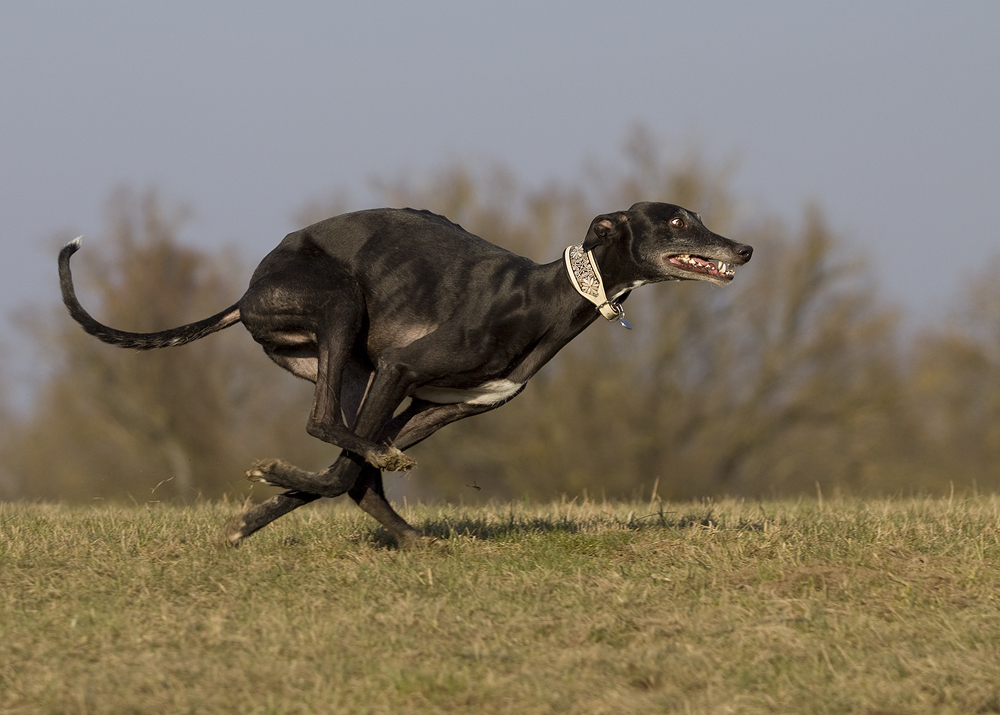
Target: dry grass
x=850 y=607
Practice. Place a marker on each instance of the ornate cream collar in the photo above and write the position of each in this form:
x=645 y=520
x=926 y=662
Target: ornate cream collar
x=586 y=279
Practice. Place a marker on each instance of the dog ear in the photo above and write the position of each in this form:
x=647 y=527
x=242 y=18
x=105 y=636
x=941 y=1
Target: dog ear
x=606 y=228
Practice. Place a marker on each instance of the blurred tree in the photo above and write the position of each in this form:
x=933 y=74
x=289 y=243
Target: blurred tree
x=956 y=382
x=167 y=424
x=791 y=380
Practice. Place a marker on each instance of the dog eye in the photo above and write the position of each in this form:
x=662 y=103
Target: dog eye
x=677 y=222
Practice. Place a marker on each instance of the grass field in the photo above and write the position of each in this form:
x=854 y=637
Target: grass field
x=777 y=607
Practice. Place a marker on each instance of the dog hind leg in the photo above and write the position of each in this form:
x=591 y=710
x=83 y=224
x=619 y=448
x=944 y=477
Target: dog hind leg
x=368 y=493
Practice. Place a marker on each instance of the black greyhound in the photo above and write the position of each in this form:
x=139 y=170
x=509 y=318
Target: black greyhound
x=378 y=306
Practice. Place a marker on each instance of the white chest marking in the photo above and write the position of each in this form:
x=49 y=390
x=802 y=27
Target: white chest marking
x=489 y=393
x=635 y=284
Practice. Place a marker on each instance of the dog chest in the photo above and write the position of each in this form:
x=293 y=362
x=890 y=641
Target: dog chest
x=489 y=393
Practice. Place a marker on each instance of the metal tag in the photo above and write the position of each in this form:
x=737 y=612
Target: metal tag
x=621 y=316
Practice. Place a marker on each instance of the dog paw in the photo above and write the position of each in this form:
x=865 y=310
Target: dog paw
x=392 y=460
x=262 y=468
x=234 y=532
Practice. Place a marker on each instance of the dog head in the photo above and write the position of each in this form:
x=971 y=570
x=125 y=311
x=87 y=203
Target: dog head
x=667 y=242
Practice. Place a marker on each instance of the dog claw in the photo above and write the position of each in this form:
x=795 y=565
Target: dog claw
x=255 y=475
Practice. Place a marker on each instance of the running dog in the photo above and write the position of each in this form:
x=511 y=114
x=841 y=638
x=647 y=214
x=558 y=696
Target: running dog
x=378 y=306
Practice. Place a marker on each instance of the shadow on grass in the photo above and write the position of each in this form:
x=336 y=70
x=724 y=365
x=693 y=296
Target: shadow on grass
x=500 y=527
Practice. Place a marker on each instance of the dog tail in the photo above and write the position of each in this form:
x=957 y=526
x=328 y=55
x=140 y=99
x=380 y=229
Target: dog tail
x=136 y=341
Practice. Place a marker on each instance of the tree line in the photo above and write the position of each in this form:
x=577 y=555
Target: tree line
x=798 y=378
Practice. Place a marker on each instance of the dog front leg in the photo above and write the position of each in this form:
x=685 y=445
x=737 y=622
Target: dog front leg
x=369 y=399
x=377 y=406
x=367 y=492
x=384 y=393
x=419 y=421
x=415 y=424
x=260 y=515
x=330 y=482
x=303 y=487
x=386 y=390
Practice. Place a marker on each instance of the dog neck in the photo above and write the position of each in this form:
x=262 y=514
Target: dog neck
x=586 y=279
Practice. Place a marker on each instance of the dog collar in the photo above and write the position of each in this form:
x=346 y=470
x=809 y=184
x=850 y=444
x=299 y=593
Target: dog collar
x=586 y=279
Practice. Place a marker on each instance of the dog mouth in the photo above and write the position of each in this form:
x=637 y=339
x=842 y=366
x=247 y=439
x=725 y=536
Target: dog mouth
x=703 y=266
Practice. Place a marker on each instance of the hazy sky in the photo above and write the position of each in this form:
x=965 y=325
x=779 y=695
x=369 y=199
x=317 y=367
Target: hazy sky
x=885 y=113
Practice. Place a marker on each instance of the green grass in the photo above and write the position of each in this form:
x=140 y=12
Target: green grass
x=846 y=607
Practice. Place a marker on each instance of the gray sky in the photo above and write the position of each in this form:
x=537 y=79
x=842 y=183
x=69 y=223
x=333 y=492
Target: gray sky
x=885 y=113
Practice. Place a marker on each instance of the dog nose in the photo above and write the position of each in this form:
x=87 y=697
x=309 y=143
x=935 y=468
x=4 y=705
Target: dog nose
x=744 y=251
